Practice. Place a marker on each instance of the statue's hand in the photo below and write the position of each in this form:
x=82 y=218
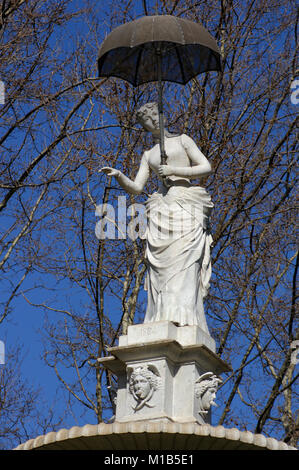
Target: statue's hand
x=110 y=171
x=165 y=170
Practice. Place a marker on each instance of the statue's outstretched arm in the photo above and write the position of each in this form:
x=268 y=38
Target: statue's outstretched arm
x=133 y=187
x=200 y=164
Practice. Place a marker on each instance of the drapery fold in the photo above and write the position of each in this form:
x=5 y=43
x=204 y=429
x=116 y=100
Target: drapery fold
x=178 y=244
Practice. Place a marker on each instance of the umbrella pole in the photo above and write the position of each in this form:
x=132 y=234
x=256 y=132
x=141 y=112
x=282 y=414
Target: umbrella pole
x=160 y=109
x=161 y=116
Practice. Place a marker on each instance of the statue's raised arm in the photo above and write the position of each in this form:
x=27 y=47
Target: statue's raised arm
x=133 y=187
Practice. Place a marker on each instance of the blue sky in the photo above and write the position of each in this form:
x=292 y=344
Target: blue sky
x=25 y=324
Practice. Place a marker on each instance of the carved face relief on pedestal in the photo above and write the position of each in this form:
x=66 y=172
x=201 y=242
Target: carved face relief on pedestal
x=205 y=390
x=143 y=382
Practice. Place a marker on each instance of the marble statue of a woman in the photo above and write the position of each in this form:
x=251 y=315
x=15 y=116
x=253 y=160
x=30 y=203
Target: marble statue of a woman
x=177 y=236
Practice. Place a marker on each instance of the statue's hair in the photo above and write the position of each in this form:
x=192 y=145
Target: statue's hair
x=146 y=109
x=148 y=373
x=202 y=386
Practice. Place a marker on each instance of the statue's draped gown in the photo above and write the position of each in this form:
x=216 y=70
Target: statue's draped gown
x=178 y=244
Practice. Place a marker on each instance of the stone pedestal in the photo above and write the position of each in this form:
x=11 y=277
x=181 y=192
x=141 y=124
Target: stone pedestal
x=171 y=367
x=162 y=372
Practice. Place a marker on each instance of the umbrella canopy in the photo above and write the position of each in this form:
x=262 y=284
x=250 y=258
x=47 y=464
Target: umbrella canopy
x=186 y=49
x=158 y=48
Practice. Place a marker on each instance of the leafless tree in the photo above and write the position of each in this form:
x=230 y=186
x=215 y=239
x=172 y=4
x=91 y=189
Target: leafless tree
x=21 y=404
x=61 y=123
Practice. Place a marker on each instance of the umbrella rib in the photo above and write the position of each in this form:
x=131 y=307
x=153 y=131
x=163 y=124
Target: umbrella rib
x=137 y=65
x=181 y=64
x=181 y=30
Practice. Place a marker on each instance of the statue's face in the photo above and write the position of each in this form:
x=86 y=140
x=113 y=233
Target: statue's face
x=208 y=398
x=150 y=120
x=141 y=387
